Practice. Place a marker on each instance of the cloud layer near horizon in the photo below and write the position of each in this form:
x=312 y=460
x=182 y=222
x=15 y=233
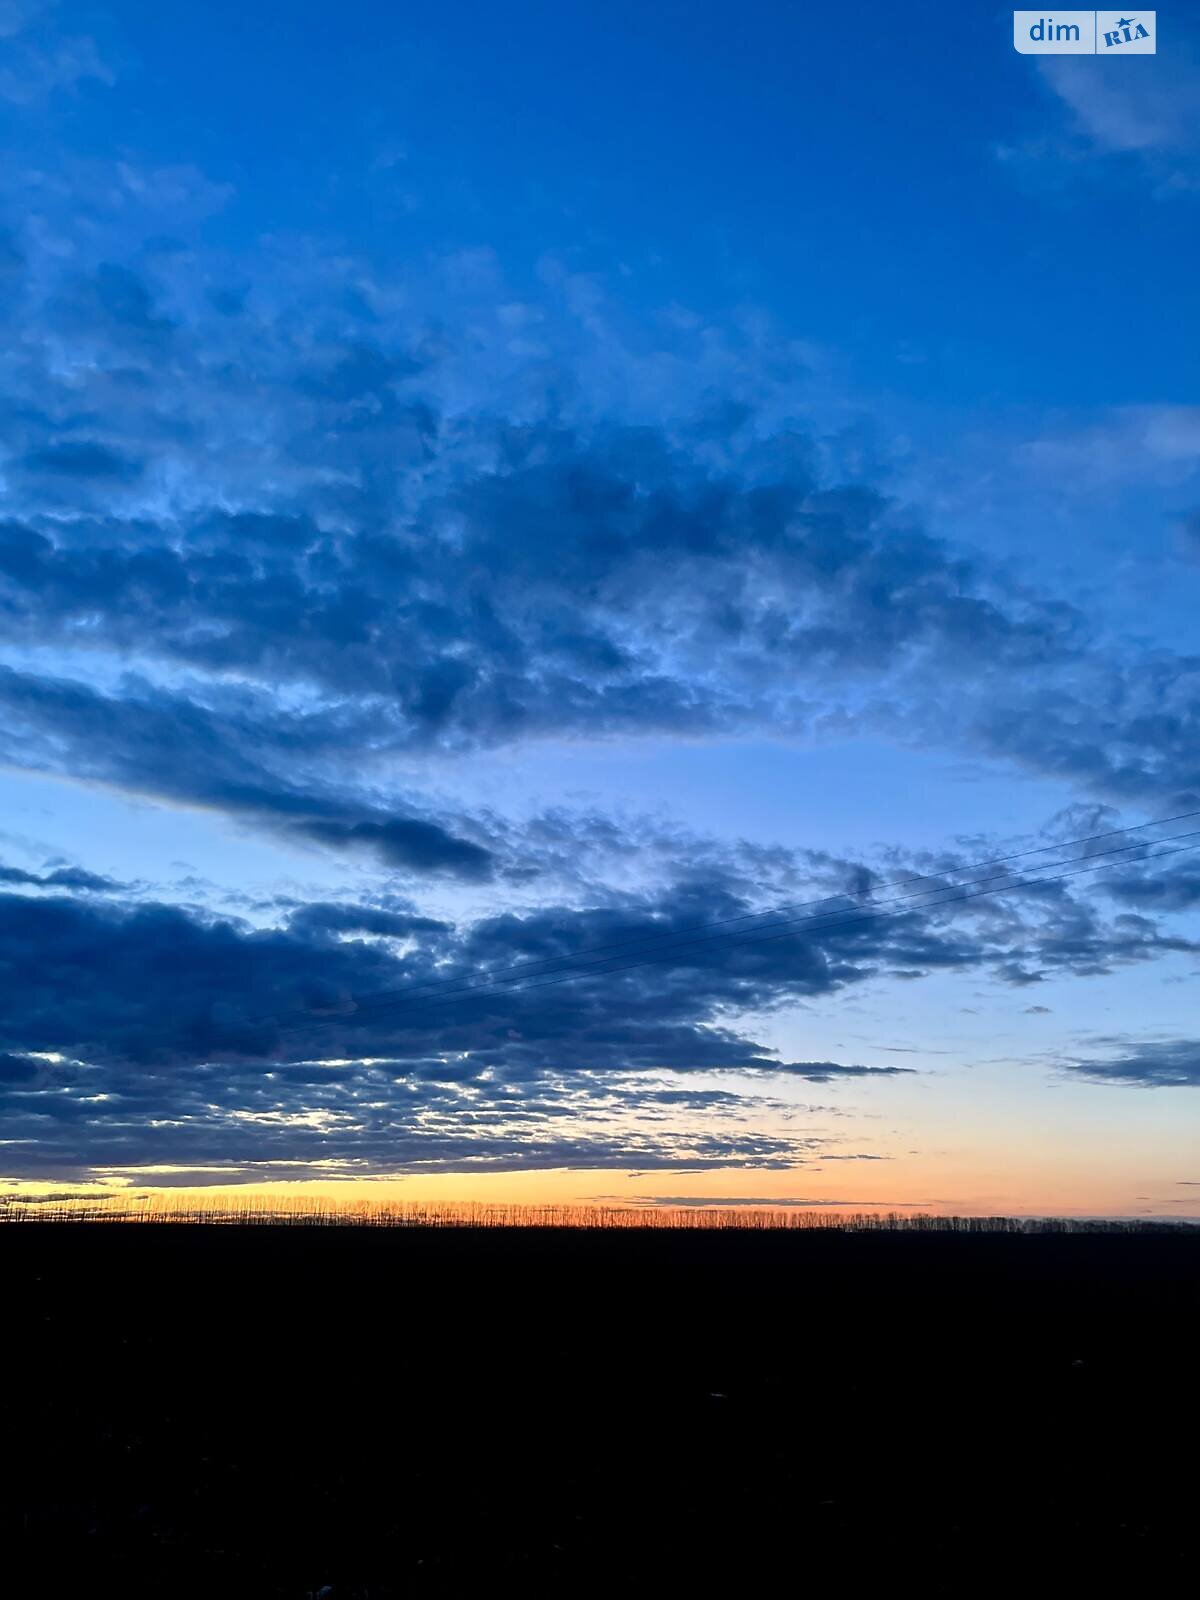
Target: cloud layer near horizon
x=355 y=1038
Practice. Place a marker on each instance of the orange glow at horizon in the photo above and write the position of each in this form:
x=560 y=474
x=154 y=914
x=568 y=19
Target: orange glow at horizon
x=1074 y=1188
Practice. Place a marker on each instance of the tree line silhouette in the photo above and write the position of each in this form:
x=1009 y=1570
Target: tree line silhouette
x=320 y=1211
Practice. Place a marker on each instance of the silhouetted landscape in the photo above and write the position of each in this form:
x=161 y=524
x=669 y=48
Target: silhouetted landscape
x=320 y=1212
x=282 y=1410
x=276 y=1210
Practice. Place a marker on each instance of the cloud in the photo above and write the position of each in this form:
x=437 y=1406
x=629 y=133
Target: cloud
x=1125 y=113
x=857 y=1156
x=74 y=878
x=1173 y=1064
x=1127 y=445
x=82 y=459
x=409 y=842
x=1143 y=124
x=19 y=1069
x=146 y=1034
x=39 y=61
x=150 y=983
x=319 y=917
x=1151 y=890
x=327 y=529
x=22 y=1198
x=827 y=1071
x=438 y=544
x=594 y=593
x=232 y=749
x=362 y=1038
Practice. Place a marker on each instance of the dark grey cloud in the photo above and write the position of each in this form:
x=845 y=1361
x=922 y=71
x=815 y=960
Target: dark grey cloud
x=364 y=1038
x=829 y=1156
x=20 y=1069
x=1148 y=889
x=1171 y=1064
x=75 y=878
x=421 y=566
x=827 y=1071
x=234 y=750
x=599 y=592
x=79 y=459
x=147 y=983
x=408 y=842
x=51 y=1197
x=331 y=917
x=145 y=1033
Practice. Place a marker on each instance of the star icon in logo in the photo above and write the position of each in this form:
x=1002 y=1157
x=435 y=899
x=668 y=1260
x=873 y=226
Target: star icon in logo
x=1126 y=22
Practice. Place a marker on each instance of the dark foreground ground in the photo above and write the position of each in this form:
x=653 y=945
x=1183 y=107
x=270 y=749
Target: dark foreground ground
x=194 y=1411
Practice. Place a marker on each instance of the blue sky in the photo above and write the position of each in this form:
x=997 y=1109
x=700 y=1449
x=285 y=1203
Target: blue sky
x=487 y=483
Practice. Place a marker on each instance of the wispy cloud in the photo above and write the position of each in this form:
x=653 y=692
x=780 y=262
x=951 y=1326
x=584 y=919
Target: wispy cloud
x=1161 y=1064
x=1146 y=112
x=37 y=59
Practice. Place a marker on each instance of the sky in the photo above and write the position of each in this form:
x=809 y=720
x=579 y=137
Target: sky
x=496 y=501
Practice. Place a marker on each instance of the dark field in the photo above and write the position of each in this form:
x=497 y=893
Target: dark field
x=215 y=1411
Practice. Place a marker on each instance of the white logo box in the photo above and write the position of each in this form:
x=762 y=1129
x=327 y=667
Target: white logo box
x=1085 y=33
